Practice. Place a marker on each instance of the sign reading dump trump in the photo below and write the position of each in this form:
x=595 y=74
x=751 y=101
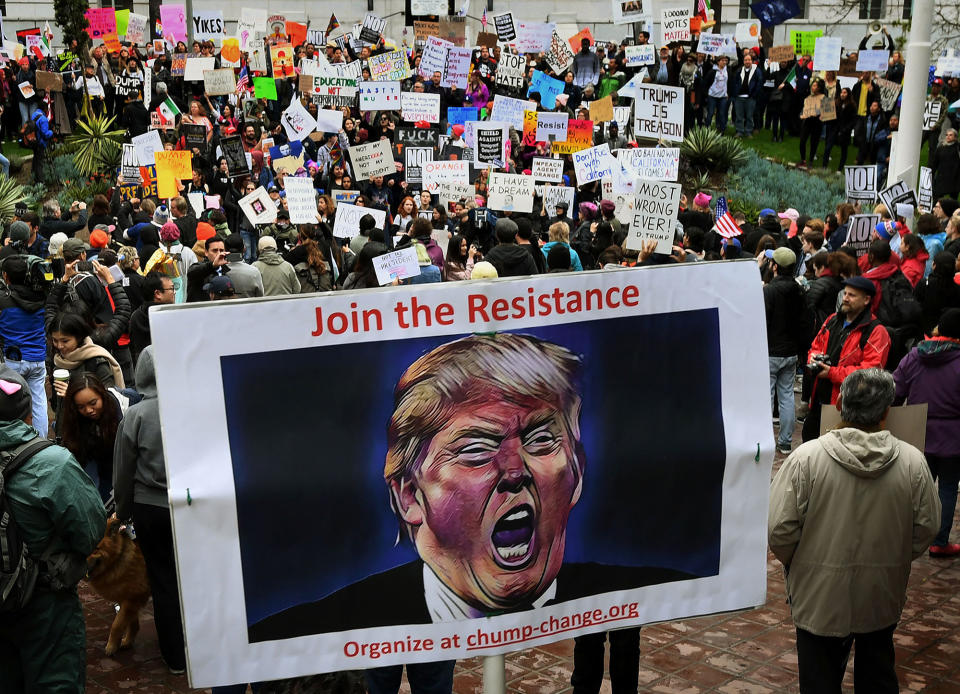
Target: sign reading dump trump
x=488 y=426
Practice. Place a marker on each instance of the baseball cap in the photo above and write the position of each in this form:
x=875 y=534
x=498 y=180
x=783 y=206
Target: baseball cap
x=766 y=212
x=221 y=285
x=790 y=214
x=75 y=246
x=782 y=256
x=861 y=283
x=735 y=242
x=266 y=242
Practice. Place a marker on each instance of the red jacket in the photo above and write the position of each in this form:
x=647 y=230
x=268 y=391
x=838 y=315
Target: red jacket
x=874 y=353
x=913 y=268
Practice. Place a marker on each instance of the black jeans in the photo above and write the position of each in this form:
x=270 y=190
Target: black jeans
x=822 y=660
x=624 y=661
x=810 y=130
x=155 y=537
x=820 y=396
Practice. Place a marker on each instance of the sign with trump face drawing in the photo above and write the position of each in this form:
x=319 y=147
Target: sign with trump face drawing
x=478 y=489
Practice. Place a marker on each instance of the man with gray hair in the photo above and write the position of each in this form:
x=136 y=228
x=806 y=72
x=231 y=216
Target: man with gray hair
x=849 y=512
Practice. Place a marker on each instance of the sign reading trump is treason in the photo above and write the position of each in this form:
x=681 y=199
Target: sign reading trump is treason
x=461 y=386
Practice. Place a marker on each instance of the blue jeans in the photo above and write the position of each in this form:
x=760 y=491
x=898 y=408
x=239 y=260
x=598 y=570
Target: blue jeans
x=425 y=678
x=26 y=112
x=35 y=374
x=782 y=372
x=946 y=471
x=743 y=115
x=718 y=104
x=4 y=165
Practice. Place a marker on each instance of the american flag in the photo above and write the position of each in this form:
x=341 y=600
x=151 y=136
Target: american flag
x=702 y=7
x=483 y=19
x=243 y=81
x=725 y=226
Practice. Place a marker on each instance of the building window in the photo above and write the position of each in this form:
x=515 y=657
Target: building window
x=871 y=9
x=907 y=9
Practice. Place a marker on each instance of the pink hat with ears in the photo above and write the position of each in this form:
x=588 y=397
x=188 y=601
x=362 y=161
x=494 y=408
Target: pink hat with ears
x=702 y=199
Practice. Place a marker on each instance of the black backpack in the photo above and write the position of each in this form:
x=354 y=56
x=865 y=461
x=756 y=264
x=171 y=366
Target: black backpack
x=18 y=569
x=39 y=274
x=898 y=307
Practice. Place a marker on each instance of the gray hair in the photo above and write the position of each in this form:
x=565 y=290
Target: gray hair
x=865 y=396
x=51 y=208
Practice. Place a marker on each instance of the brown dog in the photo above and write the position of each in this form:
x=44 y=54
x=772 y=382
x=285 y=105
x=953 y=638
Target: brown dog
x=117 y=572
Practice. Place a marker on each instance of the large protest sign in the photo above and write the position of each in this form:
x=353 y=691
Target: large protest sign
x=372 y=159
x=390 y=67
x=437 y=172
x=301 y=199
x=379 y=96
x=347 y=222
x=510 y=71
x=655 y=215
x=233 y=152
x=704 y=494
x=717 y=45
x=258 y=207
x=373 y=26
x=638 y=56
x=860 y=231
x=554 y=195
x=219 y=82
x=544 y=169
x=628 y=11
x=125 y=84
x=579 y=136
x=674 y=25
x=925 y=189
x=325 y=90
x=506 y=28
x=196 y=66
x=552 y=126
x=889 y=91
x=136 y=28
x=208 y=25
x=510 y=192
x=194 y=135
x=416 y=106
x=861 y=183
x=873 y=60
x=593 y=163
x=506 y=109
x=748 y=33
x=414 y=159
x=658 y=112
x=146 y=145
x=932 y=110
x=490 y=146
x=548 y=88
x=297 y=121
x=560 y=56
x=651 y=163
x=897 y=193
x=826 y=53
x=397 y=265
x=434 y=57
x=129 y=166
x=534 y=37
x=456 y=67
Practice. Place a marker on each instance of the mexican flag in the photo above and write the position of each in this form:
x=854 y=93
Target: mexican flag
x=791 y=77
x=168 y=110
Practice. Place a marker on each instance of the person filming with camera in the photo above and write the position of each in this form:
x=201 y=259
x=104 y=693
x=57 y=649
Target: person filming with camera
x=848 y=340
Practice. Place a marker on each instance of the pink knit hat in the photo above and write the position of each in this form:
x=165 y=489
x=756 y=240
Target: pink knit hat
x=702 y=199
x=169 y=233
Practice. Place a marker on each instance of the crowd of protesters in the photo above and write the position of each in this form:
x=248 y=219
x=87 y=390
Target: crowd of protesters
x=81 y=343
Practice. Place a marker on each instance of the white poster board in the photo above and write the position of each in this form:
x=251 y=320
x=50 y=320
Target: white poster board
x=655 y=215
x=301 y=199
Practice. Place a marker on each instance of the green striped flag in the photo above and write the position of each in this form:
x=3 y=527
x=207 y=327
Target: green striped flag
x=791 y=77
x=168 y=110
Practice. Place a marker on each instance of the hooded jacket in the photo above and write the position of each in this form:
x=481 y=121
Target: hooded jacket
x=22 y=322
x=851 y=357
x=139 y=474
x=849 y=511
x=930 y=373
x=511 y=260
x=278 y=275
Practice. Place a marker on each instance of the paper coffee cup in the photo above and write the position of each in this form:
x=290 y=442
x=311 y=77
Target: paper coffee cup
x=61 y=375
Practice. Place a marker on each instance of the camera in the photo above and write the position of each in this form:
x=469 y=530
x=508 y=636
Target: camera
x=817 y=362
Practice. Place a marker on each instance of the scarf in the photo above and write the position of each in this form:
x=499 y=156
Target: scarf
x=85 y=351
x=938 y=343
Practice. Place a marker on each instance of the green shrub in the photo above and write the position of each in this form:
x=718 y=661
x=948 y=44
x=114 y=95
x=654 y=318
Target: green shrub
x=11 y=193
x=60 y=169
x=705 y=149
x=758 y=183
x=34 y=195
x=84 y=191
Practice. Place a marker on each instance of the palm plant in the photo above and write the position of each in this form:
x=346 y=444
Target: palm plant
x=95 y=147
x=11 y=193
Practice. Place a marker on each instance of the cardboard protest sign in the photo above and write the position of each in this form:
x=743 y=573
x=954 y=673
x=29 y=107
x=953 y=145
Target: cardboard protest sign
x=258 y=207
x=453 y=29
x=510 y=70
x=423 y=30
x=781 y=54
x=379 y=96
x=889 y=93
x=506 y=29
x=506 y=109
x=173 y=18
x=609 y=319
x=437 y=172
x=601 y=110
x=828 y=109
x=860 y=231
x=51 y=81
x=826 y=53
x=372 y=159
x=655 y=215
x=416 y=106
x=220 y=82
x=297 y=121
x=811 y=106
x=396 y=265
x=593 y=163
x=550 y=170
x=639 y=56
x=389 y=67
x=301 y=199
x=651 y=163
x=873 y=60
x=579 y=136
x=552 y=126
x=146 y=145
x=861 y=183
x=346 y=225
x=674 y=25
x=510 y=192
x=196 y=66
x=658 y=112
x=414 y=158
x=208 y=25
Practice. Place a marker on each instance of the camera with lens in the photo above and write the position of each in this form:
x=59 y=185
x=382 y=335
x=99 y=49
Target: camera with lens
x=817 y=362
